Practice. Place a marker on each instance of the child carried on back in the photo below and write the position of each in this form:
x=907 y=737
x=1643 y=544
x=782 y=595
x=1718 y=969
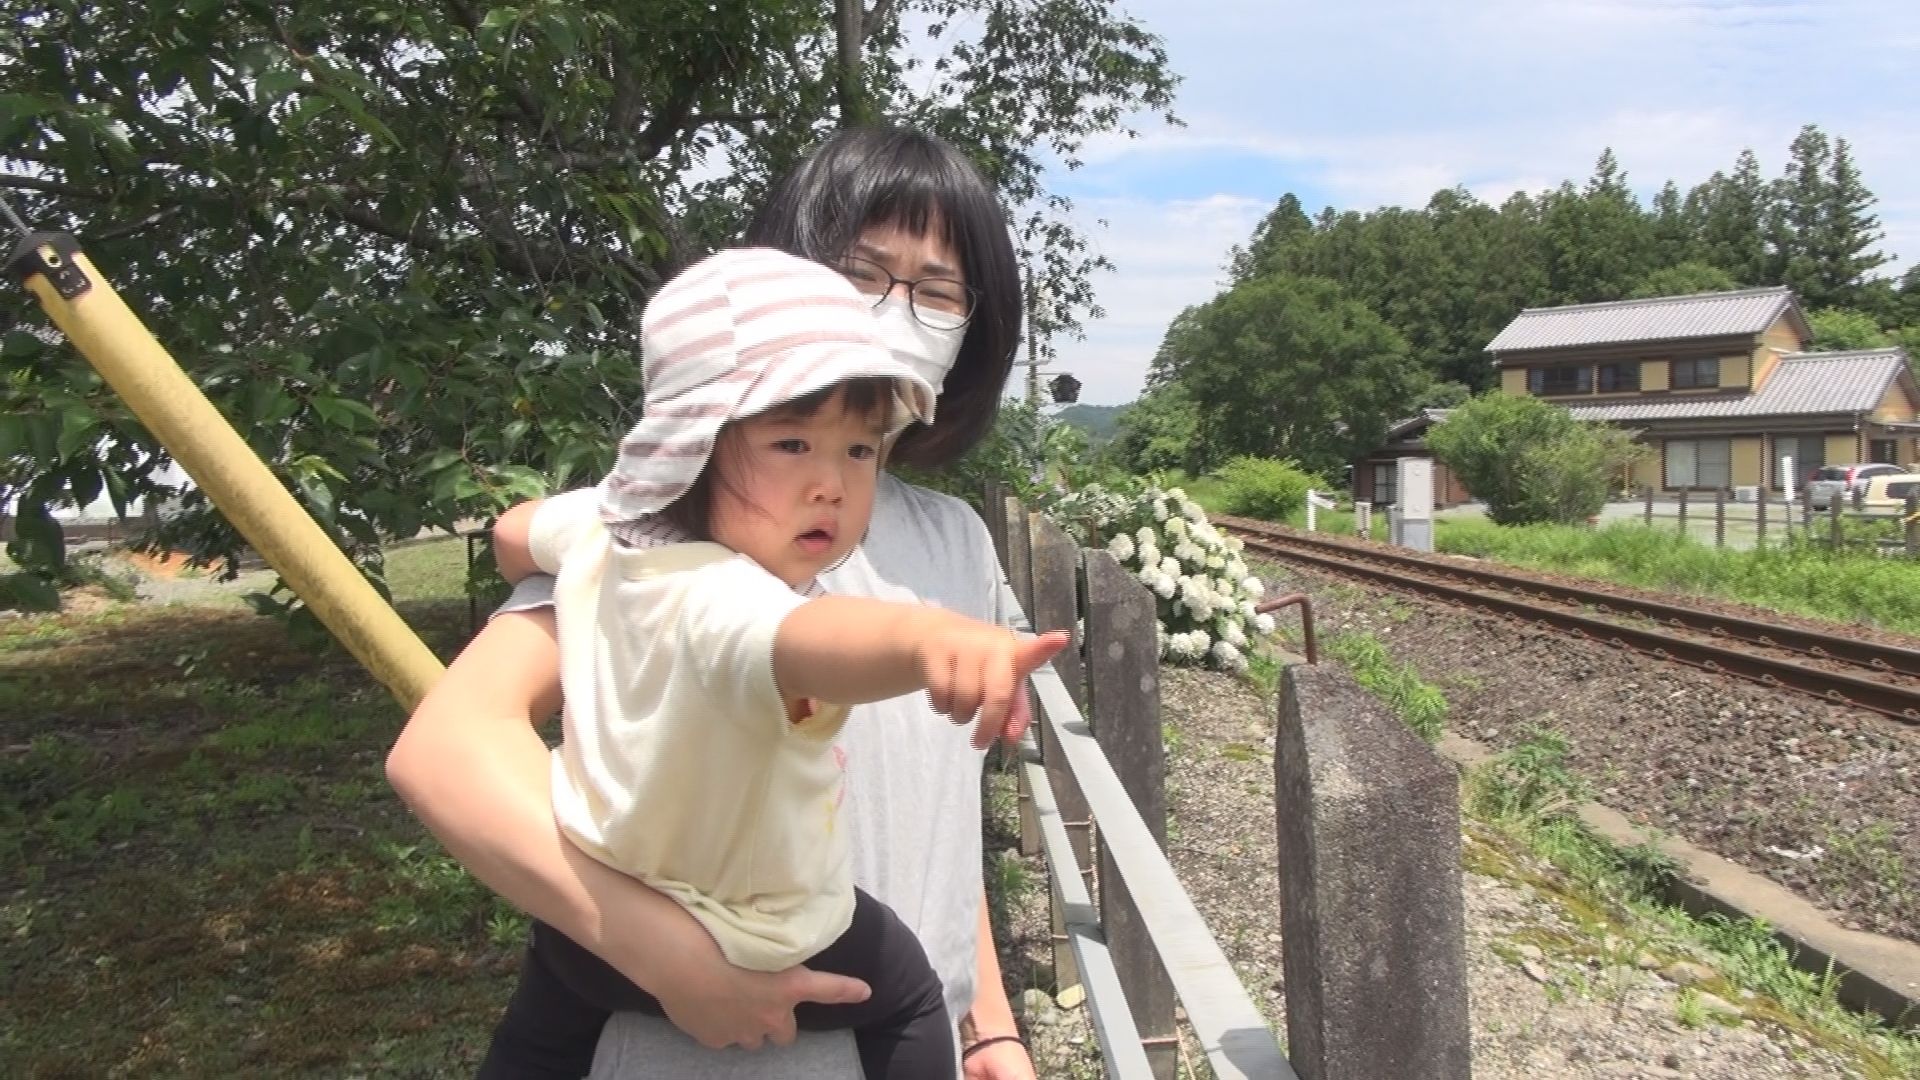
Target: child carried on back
x=705 y=678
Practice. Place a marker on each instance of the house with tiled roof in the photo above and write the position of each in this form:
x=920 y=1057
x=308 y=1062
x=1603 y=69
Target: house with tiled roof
x=1719 y=384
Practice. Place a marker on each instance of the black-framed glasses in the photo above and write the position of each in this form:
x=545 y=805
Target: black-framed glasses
x=942 y=303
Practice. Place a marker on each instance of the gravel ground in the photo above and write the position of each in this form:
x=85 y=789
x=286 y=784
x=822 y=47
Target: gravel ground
x=1538 y=1008
x=1821 y=798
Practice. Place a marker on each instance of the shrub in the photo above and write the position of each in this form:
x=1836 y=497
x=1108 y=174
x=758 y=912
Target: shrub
x=1530 y=460
x=1264 y=488
x=1205 y=593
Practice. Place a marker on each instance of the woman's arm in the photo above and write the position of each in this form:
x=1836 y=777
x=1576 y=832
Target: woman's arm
x=991 y=1016
x=471 y=766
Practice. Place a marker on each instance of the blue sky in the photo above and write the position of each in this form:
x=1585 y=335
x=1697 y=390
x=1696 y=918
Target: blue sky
x=1367 y=103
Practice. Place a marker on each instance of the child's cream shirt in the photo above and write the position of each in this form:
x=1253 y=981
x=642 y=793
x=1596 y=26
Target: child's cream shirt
x=680 y=765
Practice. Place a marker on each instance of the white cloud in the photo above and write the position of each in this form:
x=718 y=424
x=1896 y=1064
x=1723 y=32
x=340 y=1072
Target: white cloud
x=1171 y=254
x=1383 y=102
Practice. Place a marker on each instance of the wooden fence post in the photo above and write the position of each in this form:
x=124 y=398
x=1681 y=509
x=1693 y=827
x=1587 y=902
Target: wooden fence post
x=1371 y=912
x=1719 y=517
x=993 y=510
x=1760 y=520
x=1123 y=681
x=1835 y=539
x=1017 y=559
x=1683 y=511
x=1913 y=524
x=1056 y=606
x=1646 y=493
x=1806 y=511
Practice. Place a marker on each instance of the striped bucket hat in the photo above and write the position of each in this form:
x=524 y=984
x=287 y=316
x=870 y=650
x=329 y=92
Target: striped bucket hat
x=736 y=334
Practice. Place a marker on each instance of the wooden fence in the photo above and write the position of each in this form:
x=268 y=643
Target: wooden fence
x=1838 y=524
x=1367 y=818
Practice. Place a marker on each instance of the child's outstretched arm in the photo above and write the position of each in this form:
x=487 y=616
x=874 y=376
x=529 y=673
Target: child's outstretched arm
x=851 y=650
x=511 y=551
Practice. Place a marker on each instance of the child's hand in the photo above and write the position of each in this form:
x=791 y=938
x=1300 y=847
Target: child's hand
x=975 y=671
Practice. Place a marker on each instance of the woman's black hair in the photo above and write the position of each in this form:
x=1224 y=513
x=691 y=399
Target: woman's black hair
x=870 y=176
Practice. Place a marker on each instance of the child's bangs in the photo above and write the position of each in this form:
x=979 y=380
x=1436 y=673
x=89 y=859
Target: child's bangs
x=869 y=398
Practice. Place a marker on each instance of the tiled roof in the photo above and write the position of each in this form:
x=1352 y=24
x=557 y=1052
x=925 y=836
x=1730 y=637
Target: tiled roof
x=1667 y=318
x=1403 y=428
x=1803 y=384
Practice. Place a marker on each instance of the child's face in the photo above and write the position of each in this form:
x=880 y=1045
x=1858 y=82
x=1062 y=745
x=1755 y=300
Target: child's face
x=794 y=493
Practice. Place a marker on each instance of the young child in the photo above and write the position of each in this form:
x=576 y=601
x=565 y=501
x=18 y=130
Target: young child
x=698 y=661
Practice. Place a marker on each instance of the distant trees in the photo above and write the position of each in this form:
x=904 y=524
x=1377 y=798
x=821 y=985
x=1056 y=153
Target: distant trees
x=1335 y=324
x=1530 y=460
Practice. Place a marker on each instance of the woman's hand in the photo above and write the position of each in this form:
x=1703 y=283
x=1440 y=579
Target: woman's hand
x=737 y=1007
x=1001 y=1061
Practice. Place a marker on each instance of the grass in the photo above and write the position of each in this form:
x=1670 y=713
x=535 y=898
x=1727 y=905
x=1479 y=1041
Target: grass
x=1802 y=579
x=213 y=878
x=1423 y=707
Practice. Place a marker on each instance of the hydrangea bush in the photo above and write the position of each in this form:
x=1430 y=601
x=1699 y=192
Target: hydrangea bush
x=1206 y=593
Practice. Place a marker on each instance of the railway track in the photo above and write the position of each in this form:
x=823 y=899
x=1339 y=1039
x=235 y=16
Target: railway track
x=1844 y=670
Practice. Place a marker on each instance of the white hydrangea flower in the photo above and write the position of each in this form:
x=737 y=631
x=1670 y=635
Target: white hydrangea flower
x=1189 y=553
x=1252 y=587
x=1144 y=537
x=1170 y=566
x=1263 y=622
x=1164 y=586
x=1176 y=528
x=1193 y=512
x=1228 y=657
x=1247 y=611
x=1231 y=633
x=1159 y=510
x=1236 y=545
x=1215 y=562
x=1236 y=569
x=1176 y=494
x=1121 y=546
x=1149 y=555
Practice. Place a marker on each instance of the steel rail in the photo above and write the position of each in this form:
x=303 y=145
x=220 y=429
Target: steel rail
x=1840 y=687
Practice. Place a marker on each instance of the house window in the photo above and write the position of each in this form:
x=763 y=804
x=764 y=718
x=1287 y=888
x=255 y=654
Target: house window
x=1551 y=381
x=1699 y=463
x=1883 y=451
x=1615 y=378
x=1809 y=454
x=1695 y=374
x=1386 y=480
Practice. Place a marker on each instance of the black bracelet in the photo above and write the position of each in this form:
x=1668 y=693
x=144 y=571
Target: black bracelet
x=989 y=1041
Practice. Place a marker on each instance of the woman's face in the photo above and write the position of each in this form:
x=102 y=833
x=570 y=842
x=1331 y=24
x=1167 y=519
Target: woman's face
x=924 y=330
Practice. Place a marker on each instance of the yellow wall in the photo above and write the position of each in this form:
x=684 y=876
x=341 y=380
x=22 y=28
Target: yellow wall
x=1745 y=470
x=1844 y=449
x=1897 y=406
x=1646 y=471
x=1653 y=374
x=1513 y=380
x=1734 y=370
x=1779 y=338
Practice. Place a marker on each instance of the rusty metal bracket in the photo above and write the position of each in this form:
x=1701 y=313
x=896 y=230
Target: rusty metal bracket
x=1305 y=603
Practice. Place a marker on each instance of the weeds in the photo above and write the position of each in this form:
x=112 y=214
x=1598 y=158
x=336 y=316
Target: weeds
x=1805 y=579
x=1422 y=706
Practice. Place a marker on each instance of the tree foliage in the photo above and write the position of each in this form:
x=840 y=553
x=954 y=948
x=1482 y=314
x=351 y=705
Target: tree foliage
x=1288 y=367
x=404 y=246
x=1530 y=460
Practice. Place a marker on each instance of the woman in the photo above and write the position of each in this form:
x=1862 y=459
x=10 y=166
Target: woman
x=892 y=208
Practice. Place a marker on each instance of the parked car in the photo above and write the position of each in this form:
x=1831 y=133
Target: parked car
x=1842 y=480
x=1889 y=492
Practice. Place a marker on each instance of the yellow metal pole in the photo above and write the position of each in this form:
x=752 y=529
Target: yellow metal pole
x=112 y=338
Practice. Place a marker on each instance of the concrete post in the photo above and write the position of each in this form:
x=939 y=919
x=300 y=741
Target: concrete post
x=1371 y=912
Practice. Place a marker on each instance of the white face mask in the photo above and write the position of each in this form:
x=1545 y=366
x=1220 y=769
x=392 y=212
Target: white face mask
x=928 y=351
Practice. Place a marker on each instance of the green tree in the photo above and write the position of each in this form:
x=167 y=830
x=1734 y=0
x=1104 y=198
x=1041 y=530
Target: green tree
x=1290 y=367
x=1158 y=433
x=1599 y=241
x=405 y=245
x=1530 y=460
x=1842 y=329
x=1821 y=227
x=1683 y=279
x=1732 y=210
